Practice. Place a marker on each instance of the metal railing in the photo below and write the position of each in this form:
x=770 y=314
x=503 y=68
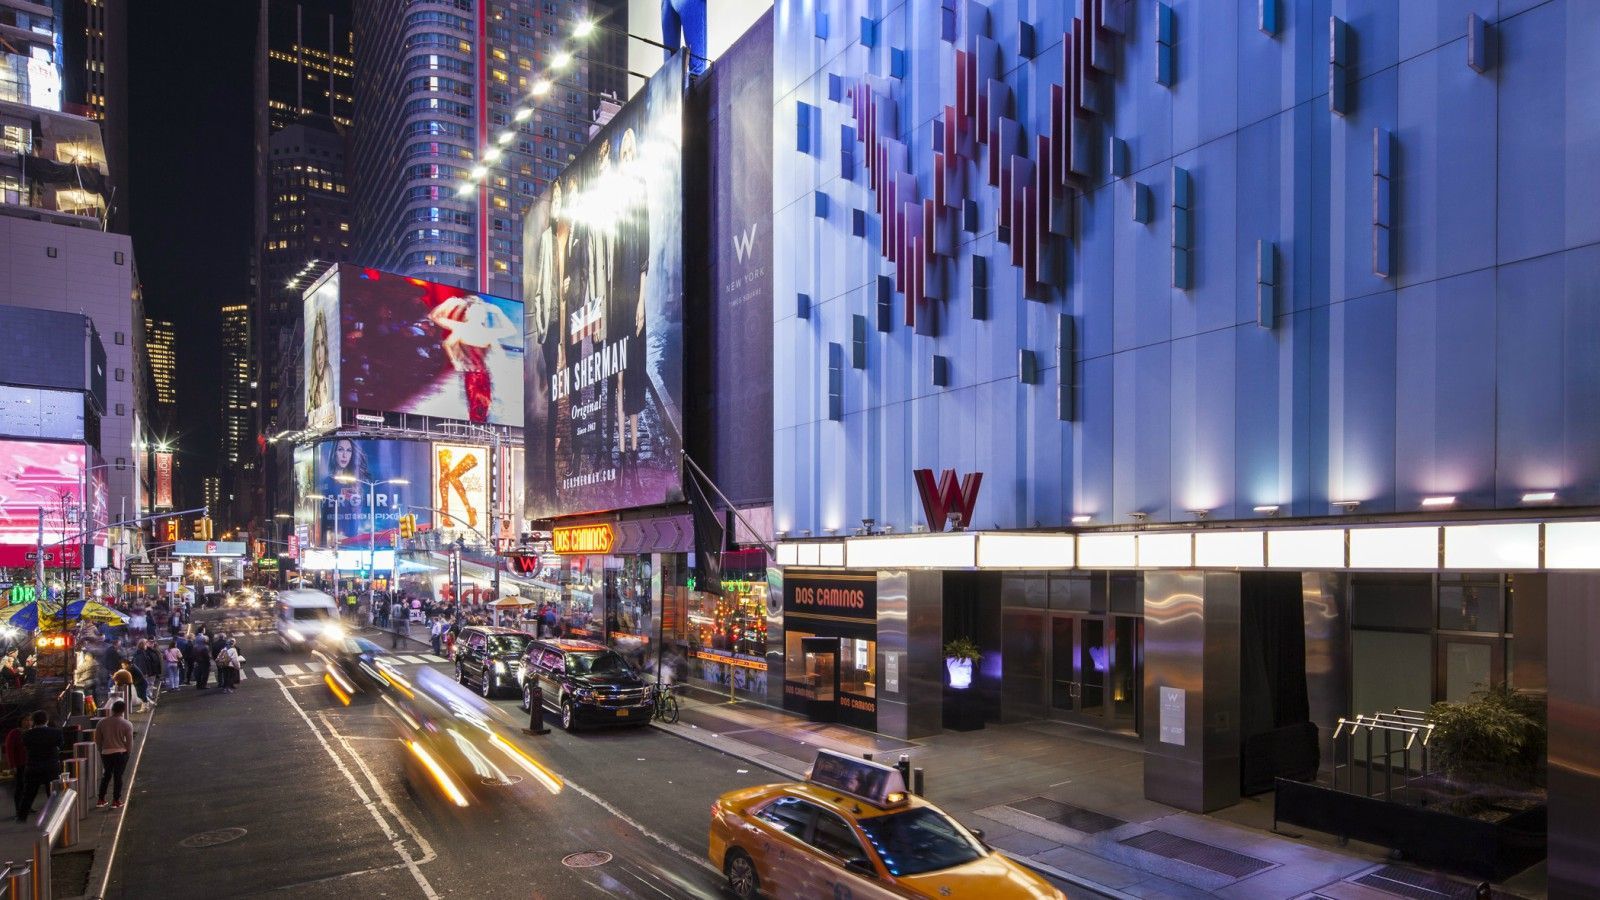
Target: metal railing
x=57 y=824
x=1402 y=732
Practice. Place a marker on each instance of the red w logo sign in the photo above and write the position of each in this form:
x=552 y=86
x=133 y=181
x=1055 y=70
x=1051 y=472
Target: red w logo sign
x=944 y=502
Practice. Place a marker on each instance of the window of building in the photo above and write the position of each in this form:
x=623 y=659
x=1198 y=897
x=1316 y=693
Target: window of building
x=117 y=257
x=122 y=375
x=119 y=339
x=121 y=410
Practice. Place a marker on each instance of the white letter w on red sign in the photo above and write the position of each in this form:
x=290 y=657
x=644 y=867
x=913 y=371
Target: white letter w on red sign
x=943 y=501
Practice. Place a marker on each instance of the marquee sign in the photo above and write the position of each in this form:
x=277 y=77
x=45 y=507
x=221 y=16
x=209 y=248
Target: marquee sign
x=596 y=538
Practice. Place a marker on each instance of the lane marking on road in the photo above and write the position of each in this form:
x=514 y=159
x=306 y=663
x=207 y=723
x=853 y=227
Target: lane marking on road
x=291 y=669
x=396 y=842
x=416 y=660
x=695 y=858
x=264 y=672
x=116 y=836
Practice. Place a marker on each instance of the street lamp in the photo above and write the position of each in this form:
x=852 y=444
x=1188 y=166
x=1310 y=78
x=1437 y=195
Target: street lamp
x=372 y=520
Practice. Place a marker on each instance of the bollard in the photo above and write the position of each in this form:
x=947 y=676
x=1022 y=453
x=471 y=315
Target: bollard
x=536 y=711
x=867 y=757
x=916 y=782
x=85 y=751
x=69 y=830
x=904 y=765
x=19 y=881
x=78 y=768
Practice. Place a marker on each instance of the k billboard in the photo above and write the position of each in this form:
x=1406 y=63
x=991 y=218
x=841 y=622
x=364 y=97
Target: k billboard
x=350 y=489
x=461 y=479
x=603 y=282
x=35 y=476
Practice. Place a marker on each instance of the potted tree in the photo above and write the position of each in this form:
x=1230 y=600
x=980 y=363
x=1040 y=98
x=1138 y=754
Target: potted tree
x=960 y=655
x=963 y=707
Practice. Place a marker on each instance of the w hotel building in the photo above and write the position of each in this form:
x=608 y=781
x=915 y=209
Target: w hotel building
x=1271 y=329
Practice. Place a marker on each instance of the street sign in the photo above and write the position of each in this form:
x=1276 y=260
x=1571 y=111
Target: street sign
x=141 y=570
x=33 y=556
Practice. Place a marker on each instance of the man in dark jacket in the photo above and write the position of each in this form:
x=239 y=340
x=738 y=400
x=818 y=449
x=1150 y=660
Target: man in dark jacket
x=200 y=653
x=42 y=743
x=185 y=662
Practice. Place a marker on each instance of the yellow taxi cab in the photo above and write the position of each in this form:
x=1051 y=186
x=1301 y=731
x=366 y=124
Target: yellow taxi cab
x=852 y=830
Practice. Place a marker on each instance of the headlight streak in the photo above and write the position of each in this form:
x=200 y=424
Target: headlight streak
x=549 y=779
x=440 y=776
x=337 y=692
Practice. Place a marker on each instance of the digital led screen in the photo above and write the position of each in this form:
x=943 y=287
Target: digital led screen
x=461 y=491
x=603 y=274
x=36 y=476
x=338 y=477
x=417 y=347
x=322 y=355
x=41 y=413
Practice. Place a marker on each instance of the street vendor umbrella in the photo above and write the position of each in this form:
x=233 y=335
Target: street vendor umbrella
x=27 y=615
x=512 y=602
x=92 y=611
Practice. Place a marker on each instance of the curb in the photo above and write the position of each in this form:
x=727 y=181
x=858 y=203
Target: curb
x=105 y=857
x=689 y=734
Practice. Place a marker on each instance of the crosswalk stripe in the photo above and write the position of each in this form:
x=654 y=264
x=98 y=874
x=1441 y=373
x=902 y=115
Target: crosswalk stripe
x=314 y=667
x=414 y=660
x=264 y=672
x=291 y=669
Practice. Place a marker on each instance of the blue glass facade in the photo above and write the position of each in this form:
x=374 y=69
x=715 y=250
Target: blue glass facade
x=1427 y=203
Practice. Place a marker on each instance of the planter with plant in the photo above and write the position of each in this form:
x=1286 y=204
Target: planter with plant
x=1488 y=753
x=960 y=656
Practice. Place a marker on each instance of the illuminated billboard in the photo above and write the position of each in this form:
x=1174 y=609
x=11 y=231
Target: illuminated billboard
x=602 y=255
x=36 y=476
x=41 y=413
x=461 y=491
x=336 y=479
x=163 y=479
x=413 y=346
x=322 y=355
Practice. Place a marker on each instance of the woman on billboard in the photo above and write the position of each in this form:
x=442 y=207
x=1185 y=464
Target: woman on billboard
x=473 y=330
x=346 y=467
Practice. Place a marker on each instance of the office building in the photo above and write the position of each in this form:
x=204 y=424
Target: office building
x=1253 y=353
x=161 y=348
x=94 y=42
x=433 y=102
x=238 y=384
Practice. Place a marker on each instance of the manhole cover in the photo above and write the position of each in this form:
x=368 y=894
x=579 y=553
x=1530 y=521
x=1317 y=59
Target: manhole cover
x=507 y=781
x=212 y=838
x=588 y=859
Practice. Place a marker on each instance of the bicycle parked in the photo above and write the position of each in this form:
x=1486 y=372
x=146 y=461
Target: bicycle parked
x=666 y=702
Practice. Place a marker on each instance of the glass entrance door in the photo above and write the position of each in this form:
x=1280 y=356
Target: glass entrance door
x=822 y=676
x=1095 y=673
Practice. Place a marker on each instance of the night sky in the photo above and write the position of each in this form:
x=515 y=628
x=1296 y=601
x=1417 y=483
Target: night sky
x=191 y=147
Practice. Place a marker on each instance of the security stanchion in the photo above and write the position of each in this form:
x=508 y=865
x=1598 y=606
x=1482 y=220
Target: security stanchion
x=536 y=711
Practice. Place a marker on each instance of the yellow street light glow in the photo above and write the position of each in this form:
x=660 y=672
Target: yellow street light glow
x=477 y=173
x=491 y=154
x=439 y=774
x=584 y=29
x=523 y=114
x=540 y=88
x=466 y=189
x=550 y=780
x=506 y=138
x=560 y=60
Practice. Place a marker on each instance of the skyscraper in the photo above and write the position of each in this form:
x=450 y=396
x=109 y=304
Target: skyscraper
x=161 y=347
x=238 y=410
x=433 y=102
x=304 y=106
x=94 y=44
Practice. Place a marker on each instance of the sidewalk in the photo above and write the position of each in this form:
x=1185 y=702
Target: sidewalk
x=80 y=870
x=1070 y=801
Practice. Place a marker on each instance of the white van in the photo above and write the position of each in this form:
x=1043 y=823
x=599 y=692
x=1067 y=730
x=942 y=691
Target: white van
x=303 y=616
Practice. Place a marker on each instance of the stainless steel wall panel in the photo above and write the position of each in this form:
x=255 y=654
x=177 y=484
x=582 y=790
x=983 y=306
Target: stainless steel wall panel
x=1574 y=754
x=1327 y=630
x=893 y=597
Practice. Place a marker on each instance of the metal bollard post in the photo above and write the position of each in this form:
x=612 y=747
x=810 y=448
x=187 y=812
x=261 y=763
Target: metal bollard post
x=69 y=830
x=916 y=782
x=18 y=881
x=77 y=769
x=904 y=765
x=536 y=711
x=867 y=757
x=85 y=751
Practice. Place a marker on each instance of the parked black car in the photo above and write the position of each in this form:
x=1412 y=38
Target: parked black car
x=490 y=658
x=587 y=683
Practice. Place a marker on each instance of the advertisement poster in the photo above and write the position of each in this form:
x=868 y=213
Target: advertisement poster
x=163 y=479
x=35 y=475
x=508 y=487
x=461 y=491
x=603 y=282
x=347 y=472
x=741 y=264
x=321 y=360
x=414 y=346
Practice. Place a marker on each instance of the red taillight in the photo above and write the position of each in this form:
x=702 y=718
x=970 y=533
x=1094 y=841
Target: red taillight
x=716 y=809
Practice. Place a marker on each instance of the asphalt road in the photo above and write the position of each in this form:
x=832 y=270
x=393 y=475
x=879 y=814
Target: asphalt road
x=278 y=788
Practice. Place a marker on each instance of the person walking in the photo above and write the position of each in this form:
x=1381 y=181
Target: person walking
x=200 y=654
x=228 y=667
x=436 y=634
x=42 y=746
x=148 y=660
x=173 y=664
x=114 y=737
x=185 y=662
x=400 y=623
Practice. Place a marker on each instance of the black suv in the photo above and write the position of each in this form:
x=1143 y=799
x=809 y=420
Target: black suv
x=490 y=658
x=587 y=683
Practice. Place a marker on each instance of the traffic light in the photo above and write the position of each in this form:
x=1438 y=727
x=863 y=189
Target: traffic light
x=199 y=529
x=206 y=521
x=408 y=525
